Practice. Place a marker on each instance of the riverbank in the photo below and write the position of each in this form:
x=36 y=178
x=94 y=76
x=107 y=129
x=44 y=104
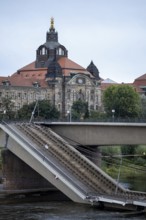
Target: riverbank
x=131 y=179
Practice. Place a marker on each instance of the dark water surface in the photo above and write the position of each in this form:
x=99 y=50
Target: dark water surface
x=33 y=209
x=59 y=210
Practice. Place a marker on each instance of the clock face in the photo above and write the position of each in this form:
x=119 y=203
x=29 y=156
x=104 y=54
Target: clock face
x=80 y=80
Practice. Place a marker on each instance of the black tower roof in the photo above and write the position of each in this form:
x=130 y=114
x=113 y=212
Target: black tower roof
x=93 y=70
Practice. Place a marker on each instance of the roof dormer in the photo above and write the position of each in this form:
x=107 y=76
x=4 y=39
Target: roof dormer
x=6 y=83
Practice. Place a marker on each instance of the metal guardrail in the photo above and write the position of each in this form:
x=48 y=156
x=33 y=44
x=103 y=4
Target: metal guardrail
x=109 y=119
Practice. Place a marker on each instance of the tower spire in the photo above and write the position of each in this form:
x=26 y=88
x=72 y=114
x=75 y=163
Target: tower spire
x=52 y=24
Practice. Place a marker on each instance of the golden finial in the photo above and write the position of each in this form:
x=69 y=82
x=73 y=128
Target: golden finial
x=52 y=23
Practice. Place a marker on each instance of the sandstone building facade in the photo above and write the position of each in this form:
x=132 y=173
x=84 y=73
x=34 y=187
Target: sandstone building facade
x=54 y=77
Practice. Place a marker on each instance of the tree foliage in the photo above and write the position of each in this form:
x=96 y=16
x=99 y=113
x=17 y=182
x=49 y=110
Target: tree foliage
x=123 y=99
x=43 y=110
x=97 y=115
x=80 y=110
x=143 y=107
x=128 y=149
x=7 y=109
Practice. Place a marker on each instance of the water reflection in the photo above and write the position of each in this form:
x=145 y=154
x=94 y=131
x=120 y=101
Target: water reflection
x=58 y=210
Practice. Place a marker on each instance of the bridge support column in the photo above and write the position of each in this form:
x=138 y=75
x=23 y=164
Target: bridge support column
x=17 y=175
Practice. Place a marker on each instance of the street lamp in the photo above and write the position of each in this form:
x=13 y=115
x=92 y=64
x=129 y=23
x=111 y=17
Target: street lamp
x=69 y=115
x=4 y=114
x=113 y=114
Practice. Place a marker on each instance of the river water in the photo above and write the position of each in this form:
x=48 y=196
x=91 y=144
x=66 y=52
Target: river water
x=33 y=209
x=59 y=210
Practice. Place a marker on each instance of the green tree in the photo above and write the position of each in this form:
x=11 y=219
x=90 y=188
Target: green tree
x=80 y=110
x=7 y=109
x=111 y=150
x=43 y=110
x=97 y=115
x=123 y=99
x=143 y=107
x=128 y=150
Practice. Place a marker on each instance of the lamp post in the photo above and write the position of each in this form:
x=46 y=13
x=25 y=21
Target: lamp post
x=4 y=115
x=68 y=112
x=113 y=114
x=69 y=115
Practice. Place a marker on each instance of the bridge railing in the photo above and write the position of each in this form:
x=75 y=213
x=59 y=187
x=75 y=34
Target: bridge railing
x=106 y=119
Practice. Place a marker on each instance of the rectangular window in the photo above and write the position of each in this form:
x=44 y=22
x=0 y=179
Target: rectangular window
x=68 y=95
x=25 y=95
x=19 y=95
x=91 y=107
x=7 y=94
x=92 y=97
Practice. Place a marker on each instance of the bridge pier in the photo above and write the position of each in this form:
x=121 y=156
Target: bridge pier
x=17 y=175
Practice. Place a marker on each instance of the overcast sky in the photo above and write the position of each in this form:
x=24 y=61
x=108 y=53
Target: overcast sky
x=112 y=33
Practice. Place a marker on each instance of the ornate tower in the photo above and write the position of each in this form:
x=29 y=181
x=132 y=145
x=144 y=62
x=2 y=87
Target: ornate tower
x=50 y=51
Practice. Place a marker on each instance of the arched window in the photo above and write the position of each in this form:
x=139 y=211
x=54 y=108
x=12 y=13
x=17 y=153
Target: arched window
x=43 y=51
x=60 y=52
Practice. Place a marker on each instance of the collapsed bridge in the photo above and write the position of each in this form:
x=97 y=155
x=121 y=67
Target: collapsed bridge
x=65 y=167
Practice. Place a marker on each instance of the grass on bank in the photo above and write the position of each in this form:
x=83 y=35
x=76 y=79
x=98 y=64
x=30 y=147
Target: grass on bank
x=129 y=161
x=125 y=172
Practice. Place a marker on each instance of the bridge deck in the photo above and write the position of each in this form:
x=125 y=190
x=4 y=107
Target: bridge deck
x=100 y=133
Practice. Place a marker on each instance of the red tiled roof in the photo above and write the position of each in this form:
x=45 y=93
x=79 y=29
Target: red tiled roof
x=3 y=78
x=37 y=73
x=29 y=71
x=142 y=77
x=140 y=82
x=69 y=66
x=29 y=66
x=21 y=81
x=106 y=85
x=29 y=74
